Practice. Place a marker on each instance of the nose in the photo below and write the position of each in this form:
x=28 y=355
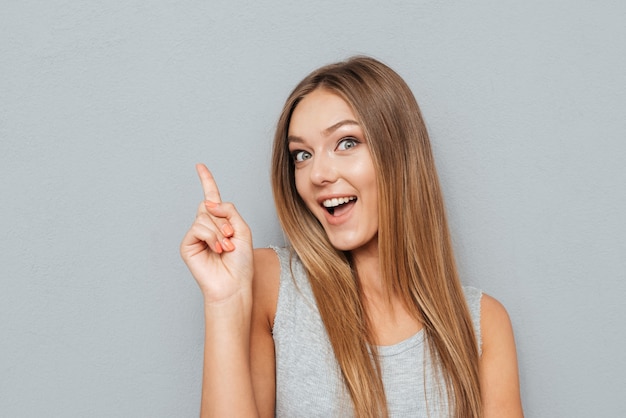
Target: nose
x=323 y=169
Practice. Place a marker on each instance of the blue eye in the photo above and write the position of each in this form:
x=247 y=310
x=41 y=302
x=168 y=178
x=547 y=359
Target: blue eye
x=299 y=156
x=347 y=143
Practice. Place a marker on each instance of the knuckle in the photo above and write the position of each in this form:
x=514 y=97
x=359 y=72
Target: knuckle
x=202 y=218
x=229 y=206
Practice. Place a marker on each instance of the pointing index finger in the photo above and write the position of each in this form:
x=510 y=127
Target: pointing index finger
x=209 y=186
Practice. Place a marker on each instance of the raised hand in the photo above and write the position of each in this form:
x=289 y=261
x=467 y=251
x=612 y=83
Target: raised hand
x=218 y=247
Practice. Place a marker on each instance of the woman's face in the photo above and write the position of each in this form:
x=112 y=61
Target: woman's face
x=334 y=172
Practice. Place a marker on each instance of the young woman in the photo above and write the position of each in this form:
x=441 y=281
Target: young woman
x=363 y=314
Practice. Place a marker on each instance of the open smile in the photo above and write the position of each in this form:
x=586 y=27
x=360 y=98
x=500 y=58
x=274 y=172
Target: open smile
x=338 y=205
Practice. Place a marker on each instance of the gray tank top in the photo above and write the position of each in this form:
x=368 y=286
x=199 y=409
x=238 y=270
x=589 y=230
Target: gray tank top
x=308 y=379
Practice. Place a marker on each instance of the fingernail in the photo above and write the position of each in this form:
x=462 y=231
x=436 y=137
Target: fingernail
x=210 y=204
x=218 y=247
x=227 y=230
x=227 y=244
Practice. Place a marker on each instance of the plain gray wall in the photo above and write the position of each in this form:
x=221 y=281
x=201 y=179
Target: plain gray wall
x=105 y=107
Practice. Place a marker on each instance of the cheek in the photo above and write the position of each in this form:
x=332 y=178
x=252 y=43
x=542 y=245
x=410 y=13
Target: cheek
x=363 y=165
x=366 y=174
x=369 y=183
x=297 y=177
x=302 y=187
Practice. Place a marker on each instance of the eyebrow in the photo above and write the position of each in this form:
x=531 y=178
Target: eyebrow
x=327 y=131
x=338 y=125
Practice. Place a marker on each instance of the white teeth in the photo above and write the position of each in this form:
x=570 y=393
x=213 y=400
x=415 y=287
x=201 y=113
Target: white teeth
x=336 y=201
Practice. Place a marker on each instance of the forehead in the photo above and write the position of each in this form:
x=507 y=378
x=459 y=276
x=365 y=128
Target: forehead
x=319 y=111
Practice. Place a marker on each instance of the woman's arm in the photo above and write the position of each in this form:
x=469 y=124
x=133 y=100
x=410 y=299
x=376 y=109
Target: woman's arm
x=226 y=379
x=263 y=361
x=238 y=364
x=218 y=251
x=499 y=377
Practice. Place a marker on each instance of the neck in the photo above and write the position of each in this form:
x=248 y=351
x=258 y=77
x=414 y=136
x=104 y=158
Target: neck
x=366 y=262
x=388 y=318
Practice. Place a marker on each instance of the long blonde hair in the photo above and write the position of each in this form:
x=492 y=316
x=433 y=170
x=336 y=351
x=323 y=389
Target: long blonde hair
x=413 y=239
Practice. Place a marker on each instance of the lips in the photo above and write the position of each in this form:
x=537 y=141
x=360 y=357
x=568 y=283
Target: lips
x=336 y=206
x=337 y=203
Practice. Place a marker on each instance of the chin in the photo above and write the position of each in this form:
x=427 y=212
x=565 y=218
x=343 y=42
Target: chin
x=341 y=245
x=349 y=245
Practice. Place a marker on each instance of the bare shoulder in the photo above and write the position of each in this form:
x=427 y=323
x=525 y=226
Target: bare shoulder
x=494 y=319
x=265 y=262
x=266 y=265
x=266 y=282
x=499 y=375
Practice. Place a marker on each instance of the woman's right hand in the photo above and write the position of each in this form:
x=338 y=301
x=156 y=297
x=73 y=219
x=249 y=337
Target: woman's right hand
x=218 y=247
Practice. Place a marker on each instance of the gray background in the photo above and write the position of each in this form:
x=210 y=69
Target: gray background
x=106 y=106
